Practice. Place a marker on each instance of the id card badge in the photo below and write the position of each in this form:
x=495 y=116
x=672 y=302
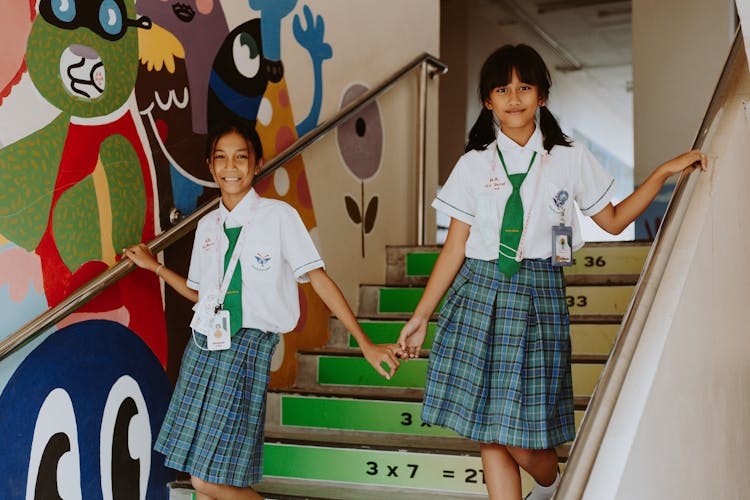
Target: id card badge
x=562 y=248
x=219 y=338
x=205 y=309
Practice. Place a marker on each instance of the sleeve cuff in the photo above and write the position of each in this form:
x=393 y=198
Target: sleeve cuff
x=601 y=202
x=192 y=284
x=452 y=211
x=300 y=273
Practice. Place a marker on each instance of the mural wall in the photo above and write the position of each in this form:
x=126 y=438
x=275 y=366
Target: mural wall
x=104 y=108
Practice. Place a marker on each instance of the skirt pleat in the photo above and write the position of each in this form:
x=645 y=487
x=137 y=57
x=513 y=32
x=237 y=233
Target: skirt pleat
x=213 y=428
x=499 y=370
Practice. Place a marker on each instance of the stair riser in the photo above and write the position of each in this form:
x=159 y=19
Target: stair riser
x=375 y=467
x=408 y=267
x=392 y=417
x=586 y=339
x=581 y=300
x=350 y=371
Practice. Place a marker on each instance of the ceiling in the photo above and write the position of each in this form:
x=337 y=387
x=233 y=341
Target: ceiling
x=588 y=33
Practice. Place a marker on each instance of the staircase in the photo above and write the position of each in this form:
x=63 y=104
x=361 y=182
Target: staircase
x=344 y=432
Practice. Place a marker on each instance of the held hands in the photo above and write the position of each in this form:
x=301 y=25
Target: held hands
x=376 y=354
x=141 y=257
x=690 y=160
x=412 y=337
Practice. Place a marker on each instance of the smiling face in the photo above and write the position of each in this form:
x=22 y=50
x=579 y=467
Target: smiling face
x=514 y=106
x=233 y=165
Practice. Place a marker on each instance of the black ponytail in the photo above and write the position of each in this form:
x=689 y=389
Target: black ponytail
x=551 y=131
x=483 y=132
x=497 y=71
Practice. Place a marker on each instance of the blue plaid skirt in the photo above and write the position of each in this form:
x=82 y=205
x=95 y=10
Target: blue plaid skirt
x=499 y=369
x=213 y=429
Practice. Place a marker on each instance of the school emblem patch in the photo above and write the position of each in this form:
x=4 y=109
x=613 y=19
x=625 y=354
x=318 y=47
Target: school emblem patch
x=560 y=198
x=262 y=262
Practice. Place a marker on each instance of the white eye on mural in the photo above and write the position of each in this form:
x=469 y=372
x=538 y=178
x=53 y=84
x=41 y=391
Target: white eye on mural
x=125 y=452
x=246 y=55
x=55 y=460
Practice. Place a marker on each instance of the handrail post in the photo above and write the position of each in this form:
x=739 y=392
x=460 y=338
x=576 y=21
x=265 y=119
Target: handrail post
x=421 y=150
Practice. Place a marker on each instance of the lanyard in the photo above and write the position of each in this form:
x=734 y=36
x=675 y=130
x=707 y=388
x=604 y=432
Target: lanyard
x=224 y=282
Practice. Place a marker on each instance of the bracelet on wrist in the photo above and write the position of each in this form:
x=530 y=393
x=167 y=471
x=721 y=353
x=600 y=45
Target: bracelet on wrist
x=158 y=268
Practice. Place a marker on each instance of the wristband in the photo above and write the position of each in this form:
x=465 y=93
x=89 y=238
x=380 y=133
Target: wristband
x=158 y=268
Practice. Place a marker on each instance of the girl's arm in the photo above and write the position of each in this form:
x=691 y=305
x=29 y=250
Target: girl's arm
x=143 y=258
x=446 y=267
x=614 y=219
x=329 y=292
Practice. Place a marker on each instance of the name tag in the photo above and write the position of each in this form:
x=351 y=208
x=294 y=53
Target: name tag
x=562 y=249
x=219 y=339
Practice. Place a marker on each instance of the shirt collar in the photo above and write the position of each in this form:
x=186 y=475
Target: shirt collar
x=241 y=213
x=535 y=143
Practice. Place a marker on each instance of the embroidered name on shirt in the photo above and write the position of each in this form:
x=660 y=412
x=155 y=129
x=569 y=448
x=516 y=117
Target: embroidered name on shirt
x=208 y=243
x=262 y=262
x=495 y=183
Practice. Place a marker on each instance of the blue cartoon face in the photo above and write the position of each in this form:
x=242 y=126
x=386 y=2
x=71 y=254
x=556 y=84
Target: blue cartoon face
x=80 y=416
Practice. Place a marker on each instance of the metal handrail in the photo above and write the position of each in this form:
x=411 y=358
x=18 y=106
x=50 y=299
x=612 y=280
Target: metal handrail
x=596 y=420
x=86 y=292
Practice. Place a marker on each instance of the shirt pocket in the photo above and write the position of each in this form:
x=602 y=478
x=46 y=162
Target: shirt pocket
x=487 y=221
x=263 y=260
x=558 y=200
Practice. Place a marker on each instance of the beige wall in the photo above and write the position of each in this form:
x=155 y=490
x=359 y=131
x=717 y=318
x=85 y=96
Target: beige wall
x=680 y=427
x=679 y=48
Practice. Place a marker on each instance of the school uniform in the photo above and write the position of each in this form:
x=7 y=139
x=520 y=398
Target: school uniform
x=499 y=370
x=214 y=425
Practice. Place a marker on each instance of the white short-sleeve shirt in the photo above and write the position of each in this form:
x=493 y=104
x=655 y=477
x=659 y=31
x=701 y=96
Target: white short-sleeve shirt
x=477 y=189
x=277 y=253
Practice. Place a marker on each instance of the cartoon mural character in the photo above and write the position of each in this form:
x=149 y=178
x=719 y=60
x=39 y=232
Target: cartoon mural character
x=360 y=141
x=239 y=76
x=81 y=188
x=81 y=414
x=172 y=89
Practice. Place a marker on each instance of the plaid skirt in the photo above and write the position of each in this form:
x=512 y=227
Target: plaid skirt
x=499 y=369
x=213 y=429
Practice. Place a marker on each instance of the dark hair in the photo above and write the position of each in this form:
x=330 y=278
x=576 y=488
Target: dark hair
x=245 y=129
x=497 y=71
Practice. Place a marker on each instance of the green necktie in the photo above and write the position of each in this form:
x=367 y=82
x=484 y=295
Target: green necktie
x=233 y=298
x=512 y=226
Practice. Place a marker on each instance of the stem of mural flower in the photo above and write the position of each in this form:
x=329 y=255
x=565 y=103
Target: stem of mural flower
x=362 y=225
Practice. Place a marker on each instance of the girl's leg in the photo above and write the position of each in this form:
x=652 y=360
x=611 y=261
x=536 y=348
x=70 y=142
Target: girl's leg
x=211 y=491
x=541 y=464
x=500 y=472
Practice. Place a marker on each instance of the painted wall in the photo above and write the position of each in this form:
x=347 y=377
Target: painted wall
x=679 y=428
x=674 y=75
x=102 y=126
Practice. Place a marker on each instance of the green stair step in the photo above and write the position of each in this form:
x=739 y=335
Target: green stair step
x=348 y=414
x=586 y=338
x=581 y=300
x=387 y=332
x=397 y=417
x=452 y=473
x=356 y=371
x=592 y=259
